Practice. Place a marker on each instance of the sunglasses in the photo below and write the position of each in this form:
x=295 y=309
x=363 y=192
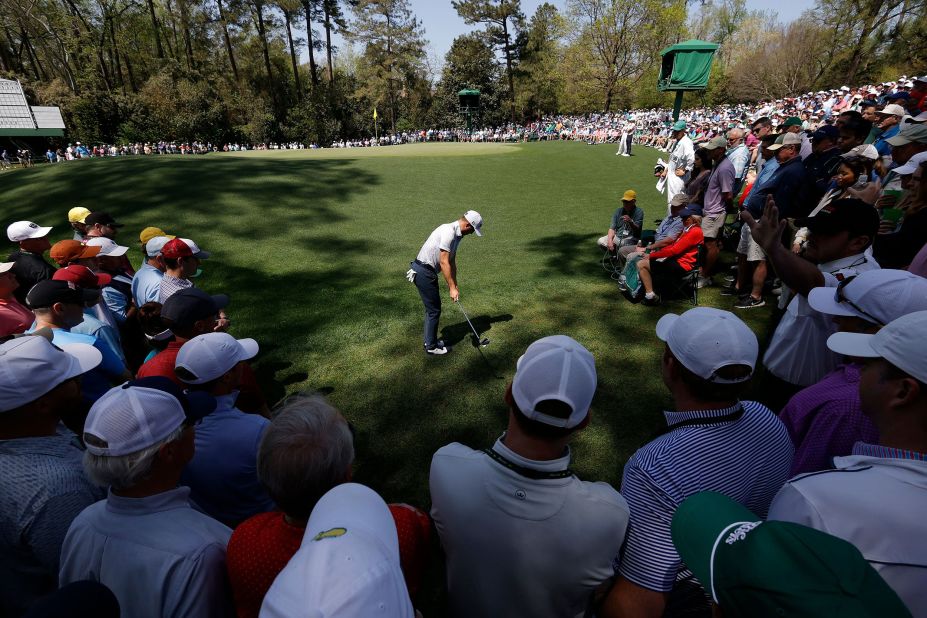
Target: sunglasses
x=842 y=299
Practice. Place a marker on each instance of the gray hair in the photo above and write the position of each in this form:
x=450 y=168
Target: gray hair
x=124 y=471
x=307 y=449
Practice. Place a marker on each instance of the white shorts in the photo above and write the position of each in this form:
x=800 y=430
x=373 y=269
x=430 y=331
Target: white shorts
x=747 y=246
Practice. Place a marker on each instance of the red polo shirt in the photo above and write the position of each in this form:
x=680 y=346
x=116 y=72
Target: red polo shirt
x=162 y=364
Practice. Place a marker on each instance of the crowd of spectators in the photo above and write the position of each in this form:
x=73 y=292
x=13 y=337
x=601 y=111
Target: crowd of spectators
x=144 y=473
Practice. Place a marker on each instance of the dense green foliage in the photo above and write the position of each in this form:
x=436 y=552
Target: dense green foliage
x=231 y=70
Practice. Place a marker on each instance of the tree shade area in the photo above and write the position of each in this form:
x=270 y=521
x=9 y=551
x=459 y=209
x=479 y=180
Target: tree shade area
x=257 y=71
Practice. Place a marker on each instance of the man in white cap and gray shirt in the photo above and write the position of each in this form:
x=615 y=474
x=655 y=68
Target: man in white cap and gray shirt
x=713 y=441
x=347 y=565
x=223 y=477
x=41 y=479
x=145 y=541
x=439 y=254
x=825 y=420
x=522 y=534
x=876 y=498
x=28 y=264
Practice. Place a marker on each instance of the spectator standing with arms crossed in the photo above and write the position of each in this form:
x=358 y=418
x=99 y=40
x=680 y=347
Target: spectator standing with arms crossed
x=438 y=254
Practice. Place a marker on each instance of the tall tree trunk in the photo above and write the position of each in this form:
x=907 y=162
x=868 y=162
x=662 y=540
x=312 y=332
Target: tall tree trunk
x=174 y=49
x=328 y=41
x=289 y=38
x=6 y=61
x=155 y=29
x=228 y=40
x=508 y=66
x=310 y=43
x=262 y=33
x=132 y=83
x=390 y=86
x=33 y=58
x=116 y=59
x=185 y=27
x=860 y=44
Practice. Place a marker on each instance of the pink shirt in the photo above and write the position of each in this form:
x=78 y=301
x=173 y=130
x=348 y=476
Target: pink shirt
x=14 y=317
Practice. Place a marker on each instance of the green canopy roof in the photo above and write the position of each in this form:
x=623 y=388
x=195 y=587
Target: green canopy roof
x=468 y=92
x=691 y=45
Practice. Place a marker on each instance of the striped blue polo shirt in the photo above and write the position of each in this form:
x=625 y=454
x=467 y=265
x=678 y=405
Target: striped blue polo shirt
x=746 y=457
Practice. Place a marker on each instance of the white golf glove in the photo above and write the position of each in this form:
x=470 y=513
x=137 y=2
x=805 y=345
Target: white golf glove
x=410 y=275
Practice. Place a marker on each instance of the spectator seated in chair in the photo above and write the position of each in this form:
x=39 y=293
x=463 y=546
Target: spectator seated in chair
x=672 y=261
x=627 y=224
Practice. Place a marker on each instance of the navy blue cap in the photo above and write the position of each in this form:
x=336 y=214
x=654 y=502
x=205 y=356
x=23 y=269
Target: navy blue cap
x=826 y=132
x=898 y=95
x=188 y=306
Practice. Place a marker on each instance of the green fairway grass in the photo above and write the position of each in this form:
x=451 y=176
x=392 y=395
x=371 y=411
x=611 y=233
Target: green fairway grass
x=312 y=247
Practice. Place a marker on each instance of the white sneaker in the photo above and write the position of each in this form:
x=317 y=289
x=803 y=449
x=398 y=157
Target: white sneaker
x=624 y=154
x=437 y=350
x=704 y=282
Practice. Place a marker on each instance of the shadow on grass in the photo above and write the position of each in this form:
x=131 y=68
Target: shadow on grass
x=567 y=254
x=288 y=192
x=453 y=334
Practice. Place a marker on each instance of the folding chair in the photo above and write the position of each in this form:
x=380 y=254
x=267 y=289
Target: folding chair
x=687 y=285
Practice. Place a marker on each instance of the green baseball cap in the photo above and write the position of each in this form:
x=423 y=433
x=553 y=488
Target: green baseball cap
x=757 y=569
x=679 y=125
x=792 y=121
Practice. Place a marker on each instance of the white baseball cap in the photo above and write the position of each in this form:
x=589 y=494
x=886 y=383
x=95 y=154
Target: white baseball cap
x=893 y=109
x=475 y=220
x=107 y=246
x=866 y=151
x=788 y=139
x=347 y=564
x=5 y=266
x=23 y=230
x=558 y=368
x=878 y=296
x=154 y=245
x=207 y=357
x=911 y=166
x=705 y=340
x=901 y=343
x=141 y=413
x=30 y=366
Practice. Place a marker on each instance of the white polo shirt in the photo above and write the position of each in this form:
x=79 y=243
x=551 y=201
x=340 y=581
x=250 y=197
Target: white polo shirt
x=519 y=546
x=875 y=499
x=798 y=352
x=444 y=238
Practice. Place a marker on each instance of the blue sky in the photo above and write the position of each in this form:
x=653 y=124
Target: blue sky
x=442 y=24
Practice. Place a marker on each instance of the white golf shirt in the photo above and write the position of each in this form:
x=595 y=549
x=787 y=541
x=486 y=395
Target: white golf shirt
x=445 y=237
x=875 y=499
x=519 y=546
x=682 y=158
x=798 y=352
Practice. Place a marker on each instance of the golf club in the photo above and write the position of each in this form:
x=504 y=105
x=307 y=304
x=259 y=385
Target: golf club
x=483 y=341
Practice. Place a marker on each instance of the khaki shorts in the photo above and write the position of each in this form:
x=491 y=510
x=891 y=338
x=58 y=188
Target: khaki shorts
x=747 y=246
x=711 y=226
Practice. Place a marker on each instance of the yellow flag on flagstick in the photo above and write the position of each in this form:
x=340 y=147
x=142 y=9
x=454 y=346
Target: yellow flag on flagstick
x=374 y=113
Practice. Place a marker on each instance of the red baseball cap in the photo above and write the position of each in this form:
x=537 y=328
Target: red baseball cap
x=82 y=276
x=176 y=248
